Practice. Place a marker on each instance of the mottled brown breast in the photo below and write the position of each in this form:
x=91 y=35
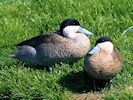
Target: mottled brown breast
x=103 y=66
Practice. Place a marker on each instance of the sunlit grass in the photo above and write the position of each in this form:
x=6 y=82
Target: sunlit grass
x=22 y=19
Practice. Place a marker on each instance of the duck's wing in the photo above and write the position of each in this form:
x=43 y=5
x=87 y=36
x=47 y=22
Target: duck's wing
x=116 y=57
x=35 y=41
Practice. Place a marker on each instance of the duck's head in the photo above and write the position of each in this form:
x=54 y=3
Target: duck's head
x=103 y=43
x=70 y=27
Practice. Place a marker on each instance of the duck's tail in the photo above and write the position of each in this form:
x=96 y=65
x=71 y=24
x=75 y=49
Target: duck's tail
x=24 y=52
x=13 y=54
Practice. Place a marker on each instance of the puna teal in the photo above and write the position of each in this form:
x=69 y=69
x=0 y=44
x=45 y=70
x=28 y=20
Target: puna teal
x=67 y=45
x=103 y=61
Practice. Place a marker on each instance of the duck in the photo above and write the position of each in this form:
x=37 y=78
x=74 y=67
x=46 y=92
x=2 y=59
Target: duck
x=67 y=45
x=103 y=61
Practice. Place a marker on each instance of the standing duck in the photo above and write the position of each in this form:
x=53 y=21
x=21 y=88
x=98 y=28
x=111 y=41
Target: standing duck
x=67 y=45
x=103 y=61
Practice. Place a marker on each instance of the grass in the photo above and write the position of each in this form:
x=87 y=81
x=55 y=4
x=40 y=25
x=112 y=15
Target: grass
x=22 y=19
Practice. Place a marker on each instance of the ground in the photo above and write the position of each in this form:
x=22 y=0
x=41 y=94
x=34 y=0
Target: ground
x=23 y=19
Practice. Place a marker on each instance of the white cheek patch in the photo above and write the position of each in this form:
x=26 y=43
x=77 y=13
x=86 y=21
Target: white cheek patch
x=69 y=30
x=107 y=46
x=94 y=50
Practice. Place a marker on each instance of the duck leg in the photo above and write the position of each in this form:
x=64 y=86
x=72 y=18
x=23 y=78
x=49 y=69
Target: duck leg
x=48 y=68
x=94 y=84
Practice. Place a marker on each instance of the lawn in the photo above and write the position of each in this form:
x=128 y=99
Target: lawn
x=23 y=19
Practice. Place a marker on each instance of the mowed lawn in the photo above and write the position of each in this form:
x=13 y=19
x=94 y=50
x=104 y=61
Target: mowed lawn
x=23 y=19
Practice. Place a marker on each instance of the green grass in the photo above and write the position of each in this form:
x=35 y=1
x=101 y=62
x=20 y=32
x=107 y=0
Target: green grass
x=22 y=19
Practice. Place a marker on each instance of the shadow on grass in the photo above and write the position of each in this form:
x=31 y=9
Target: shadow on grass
x=40 y=67
x=80 y=82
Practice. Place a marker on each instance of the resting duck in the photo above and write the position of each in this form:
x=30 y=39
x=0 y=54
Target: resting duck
x=67 y=45
x=102 y=62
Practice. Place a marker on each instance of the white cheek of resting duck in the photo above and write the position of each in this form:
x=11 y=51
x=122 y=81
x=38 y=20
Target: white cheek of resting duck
x=71 y=31
x=106 y=46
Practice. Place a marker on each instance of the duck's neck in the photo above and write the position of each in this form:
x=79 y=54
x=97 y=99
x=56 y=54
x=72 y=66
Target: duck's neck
x=81 y=39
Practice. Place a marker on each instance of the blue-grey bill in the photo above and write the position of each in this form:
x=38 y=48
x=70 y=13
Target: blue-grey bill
x=85 y=31
x=94 y=50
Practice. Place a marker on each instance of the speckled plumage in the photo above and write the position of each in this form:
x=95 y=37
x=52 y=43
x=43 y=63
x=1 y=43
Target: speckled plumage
x=54 y=48
x=102 y=65
x=67 y=45
x=61 y=49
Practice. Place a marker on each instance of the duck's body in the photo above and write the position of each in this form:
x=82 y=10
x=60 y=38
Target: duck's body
x=53 y=48
x=102 y=66
x=103 y=61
